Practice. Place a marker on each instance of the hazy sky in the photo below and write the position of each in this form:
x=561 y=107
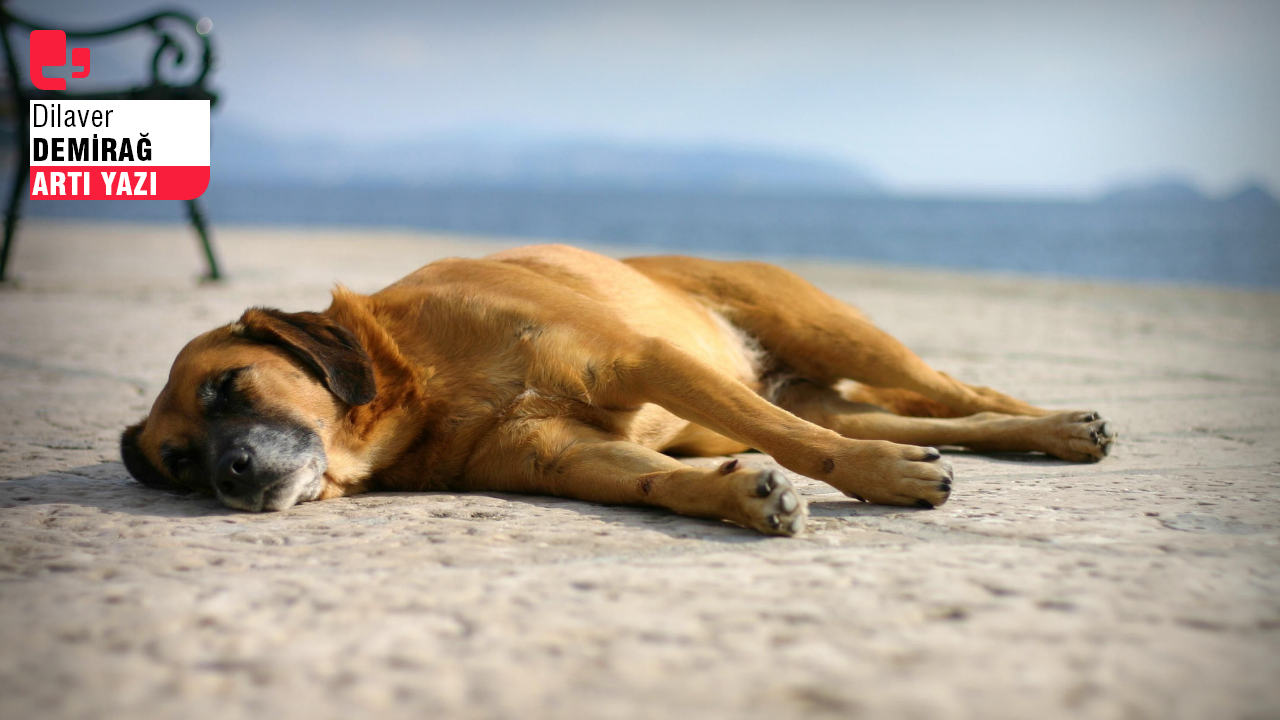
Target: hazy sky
x=972 y=97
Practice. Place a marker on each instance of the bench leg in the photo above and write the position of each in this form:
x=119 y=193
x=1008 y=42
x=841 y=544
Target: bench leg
x=20 y=177
x=197 y=219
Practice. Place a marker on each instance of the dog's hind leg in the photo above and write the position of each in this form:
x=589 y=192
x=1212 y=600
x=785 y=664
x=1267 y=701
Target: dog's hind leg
x=819 y=337
x=562 y=457
x=1079 y=436
x=824 y=341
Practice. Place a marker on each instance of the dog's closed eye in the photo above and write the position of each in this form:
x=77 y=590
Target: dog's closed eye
x=177 y=462
x=219 y=394
x=182 y=464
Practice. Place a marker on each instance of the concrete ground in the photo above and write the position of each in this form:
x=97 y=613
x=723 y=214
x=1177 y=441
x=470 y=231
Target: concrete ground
x=1147 y=586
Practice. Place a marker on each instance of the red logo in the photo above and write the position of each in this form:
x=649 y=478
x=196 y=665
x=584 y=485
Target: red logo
x=49 y=49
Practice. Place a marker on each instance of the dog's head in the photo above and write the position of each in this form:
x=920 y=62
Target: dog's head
x=249 y=409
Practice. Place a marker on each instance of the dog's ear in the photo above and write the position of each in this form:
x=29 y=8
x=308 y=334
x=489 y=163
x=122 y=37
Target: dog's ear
x=137 y=463
x=326 y=347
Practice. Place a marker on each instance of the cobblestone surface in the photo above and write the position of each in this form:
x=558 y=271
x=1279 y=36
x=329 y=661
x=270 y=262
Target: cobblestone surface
x=1147 y=586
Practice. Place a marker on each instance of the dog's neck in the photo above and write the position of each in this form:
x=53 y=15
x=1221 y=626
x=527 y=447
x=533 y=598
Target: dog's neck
x=373 y=436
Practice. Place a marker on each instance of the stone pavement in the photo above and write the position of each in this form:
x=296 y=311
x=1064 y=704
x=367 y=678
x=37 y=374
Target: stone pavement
x=1147 y=586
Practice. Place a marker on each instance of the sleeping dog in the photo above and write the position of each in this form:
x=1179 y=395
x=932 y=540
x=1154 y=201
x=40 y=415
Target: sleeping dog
x=552 y=370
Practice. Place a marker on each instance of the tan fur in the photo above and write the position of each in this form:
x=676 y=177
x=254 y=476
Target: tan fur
x=553 y=370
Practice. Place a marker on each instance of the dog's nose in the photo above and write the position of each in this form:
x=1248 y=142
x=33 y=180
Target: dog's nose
x=236 y=476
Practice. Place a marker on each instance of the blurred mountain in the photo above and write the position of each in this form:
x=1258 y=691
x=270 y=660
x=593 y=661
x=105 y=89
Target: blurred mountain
x=1175 y=190
x=505 y=159
x=1253 y=195
x=1159 y=191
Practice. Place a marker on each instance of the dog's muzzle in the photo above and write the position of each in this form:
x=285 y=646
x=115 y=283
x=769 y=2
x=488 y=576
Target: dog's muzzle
x=265 y=466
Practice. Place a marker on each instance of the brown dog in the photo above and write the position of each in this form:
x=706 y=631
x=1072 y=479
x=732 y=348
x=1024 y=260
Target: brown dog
x=552 y=370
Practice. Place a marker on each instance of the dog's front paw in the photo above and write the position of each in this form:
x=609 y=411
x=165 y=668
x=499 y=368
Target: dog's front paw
x=1078 y=436
x=766 y=501
x=891 y=474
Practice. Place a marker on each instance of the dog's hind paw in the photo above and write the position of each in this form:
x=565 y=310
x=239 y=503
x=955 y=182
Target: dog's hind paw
x=767 y=501
x=1083 y=436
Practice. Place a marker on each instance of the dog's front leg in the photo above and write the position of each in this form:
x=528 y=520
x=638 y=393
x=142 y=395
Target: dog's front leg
x=877 y=471
x=559 y=456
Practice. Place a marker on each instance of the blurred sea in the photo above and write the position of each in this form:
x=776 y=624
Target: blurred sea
x=1219 y=243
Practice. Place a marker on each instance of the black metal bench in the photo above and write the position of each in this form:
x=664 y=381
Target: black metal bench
x=161 y=26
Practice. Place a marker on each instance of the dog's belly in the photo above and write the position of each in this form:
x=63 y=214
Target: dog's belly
x=658 y=429
x=728 y=348
x=651 y=309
